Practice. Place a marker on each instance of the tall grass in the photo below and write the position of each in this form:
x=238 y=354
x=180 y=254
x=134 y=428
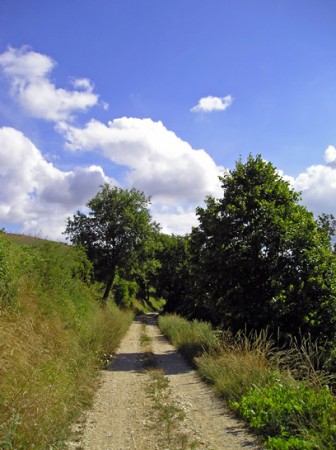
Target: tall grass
x=239 y=361
x=54 y=336
x=191 y=338
x=278 y=392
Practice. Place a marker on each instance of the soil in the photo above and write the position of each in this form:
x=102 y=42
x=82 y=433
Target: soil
x=122 y=416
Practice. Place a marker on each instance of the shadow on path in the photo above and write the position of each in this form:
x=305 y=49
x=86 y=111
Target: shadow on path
x=169 y=360
x=172 y=363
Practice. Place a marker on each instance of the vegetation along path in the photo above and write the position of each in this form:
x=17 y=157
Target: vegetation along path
x=150 y=398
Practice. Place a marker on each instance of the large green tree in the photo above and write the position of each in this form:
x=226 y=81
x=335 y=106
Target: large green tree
x=260 y=258
x=172 y=277
x=115 y=231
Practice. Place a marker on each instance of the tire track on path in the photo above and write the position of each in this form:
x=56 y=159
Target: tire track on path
x=118 y=419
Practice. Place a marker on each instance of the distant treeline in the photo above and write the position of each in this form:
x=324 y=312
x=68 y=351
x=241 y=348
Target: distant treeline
x=257 y=260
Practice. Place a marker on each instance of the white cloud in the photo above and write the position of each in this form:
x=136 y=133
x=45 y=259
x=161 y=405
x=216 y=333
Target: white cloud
x=209 y=104
x=175 y=220
x=330 y=154
x=159 y=162
x=29 y=75
x=318 y=187
x=39 y=196
x=82 y=83
x=24 y=64
x=34 y=192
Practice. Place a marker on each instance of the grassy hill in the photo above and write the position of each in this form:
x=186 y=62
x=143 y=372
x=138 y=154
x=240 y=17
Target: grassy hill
x=54 y=337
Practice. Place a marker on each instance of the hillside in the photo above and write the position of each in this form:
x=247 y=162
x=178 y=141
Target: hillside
x=54 y=335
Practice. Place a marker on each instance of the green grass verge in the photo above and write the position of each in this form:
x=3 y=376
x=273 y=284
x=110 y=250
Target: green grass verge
x=190 y=338
x=258 y=384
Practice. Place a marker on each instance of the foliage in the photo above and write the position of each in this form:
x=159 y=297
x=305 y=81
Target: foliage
x=172 y=278
x=114 y=233
x=124 y=291
x=327 y=224
x=146 y=266
x=259 y=258
x=54 y=336
x=296 y=414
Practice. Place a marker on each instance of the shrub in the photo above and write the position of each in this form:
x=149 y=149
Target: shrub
x=291 y=414
x=124 y=291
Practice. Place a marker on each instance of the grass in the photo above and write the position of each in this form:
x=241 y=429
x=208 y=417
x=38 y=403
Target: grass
x=279 y=393
x=148 y=360
x=54 y=336
x=165 y=416
x=190 y=338
x=26 y=239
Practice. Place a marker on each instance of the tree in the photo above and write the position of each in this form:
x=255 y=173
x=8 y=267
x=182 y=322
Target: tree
x=114 y=232
x=147 y=265
x=259 y=258
x=327 y=224
x=172 y=277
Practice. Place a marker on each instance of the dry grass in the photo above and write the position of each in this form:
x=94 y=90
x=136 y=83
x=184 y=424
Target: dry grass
x=239 y=362
x=53 y=338
x=48 y=374
x=40 y=371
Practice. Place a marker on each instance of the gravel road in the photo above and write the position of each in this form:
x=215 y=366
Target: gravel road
x=123 y=416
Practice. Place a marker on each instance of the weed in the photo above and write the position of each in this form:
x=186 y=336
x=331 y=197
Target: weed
x=148 y=360
x=239 y=361
x=145 y=340
x=167 y=414
x=289 y=411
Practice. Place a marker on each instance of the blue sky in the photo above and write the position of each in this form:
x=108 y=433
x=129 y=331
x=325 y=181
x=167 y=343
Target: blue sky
x=163 y=96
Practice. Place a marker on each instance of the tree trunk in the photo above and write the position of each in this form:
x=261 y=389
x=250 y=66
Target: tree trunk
x=109 y=285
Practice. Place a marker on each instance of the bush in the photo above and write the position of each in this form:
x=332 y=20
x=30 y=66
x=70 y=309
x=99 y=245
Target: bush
x=291 y=414
x=124 y=292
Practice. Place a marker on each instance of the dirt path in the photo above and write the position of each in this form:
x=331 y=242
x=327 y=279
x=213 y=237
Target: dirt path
x=124 y=417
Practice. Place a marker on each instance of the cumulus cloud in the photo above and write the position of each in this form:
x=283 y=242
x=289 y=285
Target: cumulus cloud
x=318 y=187
x=209 y=104
x=29 y=75
x=159 y=162
x=177 y=220
x=330 y=154
x=34 y=192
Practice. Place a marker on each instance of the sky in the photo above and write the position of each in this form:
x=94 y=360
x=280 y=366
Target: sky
x=163 y=96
